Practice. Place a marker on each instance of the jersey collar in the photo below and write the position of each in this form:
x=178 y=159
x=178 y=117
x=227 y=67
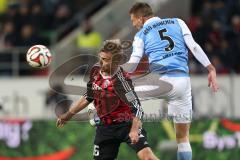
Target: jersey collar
x=151 y=20
x=110 y=76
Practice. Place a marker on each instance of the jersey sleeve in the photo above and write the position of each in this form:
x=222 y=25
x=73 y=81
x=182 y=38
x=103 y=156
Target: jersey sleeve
x=125 y=91
x=196 y=50
x=184 y=27
x=137 y=54
x=138 y=46
x=134 y=101
x=89 y=93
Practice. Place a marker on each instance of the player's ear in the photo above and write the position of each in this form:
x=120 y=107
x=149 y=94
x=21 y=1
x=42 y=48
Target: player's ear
x=141 y=19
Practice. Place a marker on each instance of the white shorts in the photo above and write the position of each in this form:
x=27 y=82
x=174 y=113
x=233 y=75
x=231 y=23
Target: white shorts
x=179 y=99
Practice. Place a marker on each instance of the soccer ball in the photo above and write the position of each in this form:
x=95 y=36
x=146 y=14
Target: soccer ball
x=38 y=56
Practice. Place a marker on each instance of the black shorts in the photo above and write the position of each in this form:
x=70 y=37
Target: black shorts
x=108 y=139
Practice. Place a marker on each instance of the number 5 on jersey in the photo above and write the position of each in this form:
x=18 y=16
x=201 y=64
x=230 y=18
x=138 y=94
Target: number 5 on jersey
x=169 y=39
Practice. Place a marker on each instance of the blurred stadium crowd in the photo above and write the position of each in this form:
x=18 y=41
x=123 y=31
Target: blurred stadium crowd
x=28 y=22
x=215 y=25
x=24 y=23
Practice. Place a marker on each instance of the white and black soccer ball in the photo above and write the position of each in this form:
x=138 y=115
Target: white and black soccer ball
x=39 y=56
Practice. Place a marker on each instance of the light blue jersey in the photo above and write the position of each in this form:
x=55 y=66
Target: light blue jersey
x=164 y=45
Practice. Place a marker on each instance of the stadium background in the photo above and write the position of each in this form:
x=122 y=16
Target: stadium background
x=77 y=27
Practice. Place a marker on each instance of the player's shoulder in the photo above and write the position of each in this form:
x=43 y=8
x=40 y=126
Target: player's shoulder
x=123 y=73
x=95 y=69
x=180 y=21
x=140 y=33
x=96 y=66
x=120 y=72
x=139 y=37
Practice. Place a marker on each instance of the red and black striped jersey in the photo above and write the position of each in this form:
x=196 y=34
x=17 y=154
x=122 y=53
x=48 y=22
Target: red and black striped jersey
x=113 y=96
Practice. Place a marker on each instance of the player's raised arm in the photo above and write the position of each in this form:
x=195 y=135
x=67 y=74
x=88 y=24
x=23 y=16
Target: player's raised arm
x=200 y=55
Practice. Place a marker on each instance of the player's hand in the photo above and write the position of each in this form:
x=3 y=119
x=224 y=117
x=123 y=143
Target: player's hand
x=62 y=120
x=212 y=80
x=134 y=136
x=60 y=123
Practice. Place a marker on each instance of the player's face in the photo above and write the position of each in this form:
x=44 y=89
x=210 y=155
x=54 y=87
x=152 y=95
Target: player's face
x=137 y=22
x=106 y=62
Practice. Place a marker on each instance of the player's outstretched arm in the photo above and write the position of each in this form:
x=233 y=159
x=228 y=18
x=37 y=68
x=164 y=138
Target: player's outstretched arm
x=76 y=107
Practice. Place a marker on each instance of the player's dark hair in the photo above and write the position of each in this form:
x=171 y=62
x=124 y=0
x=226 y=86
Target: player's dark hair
x=112 y=46
x=115 y=48
x=141 y=9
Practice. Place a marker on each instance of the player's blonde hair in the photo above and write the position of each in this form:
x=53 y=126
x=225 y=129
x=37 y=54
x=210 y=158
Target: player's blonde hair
x=141 y=9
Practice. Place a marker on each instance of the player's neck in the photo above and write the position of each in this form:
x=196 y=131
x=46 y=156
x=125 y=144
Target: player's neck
x=147 y=18
x=110 y=73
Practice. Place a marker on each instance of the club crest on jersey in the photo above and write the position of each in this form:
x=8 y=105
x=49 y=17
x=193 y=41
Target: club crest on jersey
x=96 y=87
x=106 y=83
x=95 y=78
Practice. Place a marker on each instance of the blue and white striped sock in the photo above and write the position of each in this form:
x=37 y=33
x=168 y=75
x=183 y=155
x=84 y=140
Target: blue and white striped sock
x=184 y=151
